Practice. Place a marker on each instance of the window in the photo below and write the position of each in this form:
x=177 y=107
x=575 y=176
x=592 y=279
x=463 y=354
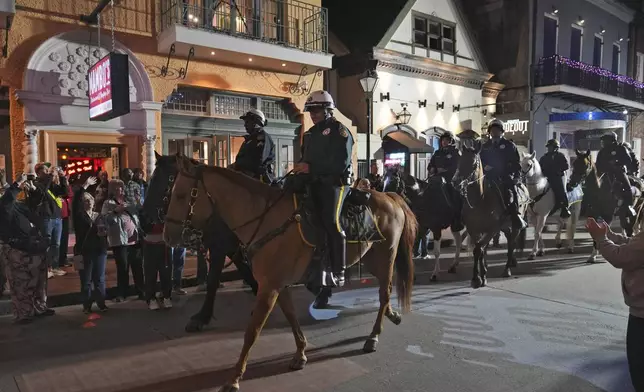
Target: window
x=598 y=50
x=200 y=151
x=616 y=52
x=176 y=146
x=576 y=37
x=550 y=33
x=435 y=34
x=639 y=67
x=286 y=159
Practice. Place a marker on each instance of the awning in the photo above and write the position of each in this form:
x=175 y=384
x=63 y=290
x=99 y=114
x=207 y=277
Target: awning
x=413 y=145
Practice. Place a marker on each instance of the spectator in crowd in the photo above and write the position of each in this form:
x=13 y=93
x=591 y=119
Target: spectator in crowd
x=65 y=213
x=45 y=200
x=132 y=188
x=122 y=236
x=157 y=261
x=178 y=262
x=626 y=254
x=374 y=177
x=91 y=245
x=100 y=193
x=138 y=178
x=23 y=250
x=363 y=184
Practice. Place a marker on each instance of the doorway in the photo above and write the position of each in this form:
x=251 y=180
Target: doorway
x=84 y=160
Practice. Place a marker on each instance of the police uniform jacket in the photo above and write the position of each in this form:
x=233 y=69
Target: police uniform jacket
x=634 y=167
x=256 y=156
x=327 y=149
x=553 y=164
x=19 y=222
x=503 y=157
x=613 y=157
x=445 y=158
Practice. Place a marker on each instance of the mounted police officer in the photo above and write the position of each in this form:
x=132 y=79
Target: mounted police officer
x=326 y=156
x=256 y=155
x=444 y=162
x=613 y=160
x=554 y=165
x=501 y=164
x=634 y=168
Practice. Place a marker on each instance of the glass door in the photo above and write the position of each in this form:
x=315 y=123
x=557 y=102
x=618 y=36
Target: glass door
x=221 y=150
x=285 y=157
x=201 y=150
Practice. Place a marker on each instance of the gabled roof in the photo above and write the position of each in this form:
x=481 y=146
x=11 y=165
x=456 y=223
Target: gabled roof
x=361 y=24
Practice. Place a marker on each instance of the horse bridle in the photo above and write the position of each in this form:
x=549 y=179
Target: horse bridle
x=161 y=211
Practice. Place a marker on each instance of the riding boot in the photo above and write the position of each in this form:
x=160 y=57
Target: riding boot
x=517 y=220
x=627 y=204
x=565 y=211
x=338 y=257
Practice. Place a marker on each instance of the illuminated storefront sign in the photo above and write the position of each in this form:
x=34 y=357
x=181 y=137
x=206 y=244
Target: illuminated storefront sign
x=109 y=88
x=395 y=158
x=513 y=126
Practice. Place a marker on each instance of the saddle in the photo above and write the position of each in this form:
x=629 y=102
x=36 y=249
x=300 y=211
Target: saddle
x=356 y=219
x=636 y=186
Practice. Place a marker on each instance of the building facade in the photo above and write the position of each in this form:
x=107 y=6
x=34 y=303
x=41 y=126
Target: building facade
x=565 y=65
x=194 y=68
x=431 y=78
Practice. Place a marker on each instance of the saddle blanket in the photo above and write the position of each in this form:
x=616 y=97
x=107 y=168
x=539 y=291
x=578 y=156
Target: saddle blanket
x=356 y=219
x=574 y=196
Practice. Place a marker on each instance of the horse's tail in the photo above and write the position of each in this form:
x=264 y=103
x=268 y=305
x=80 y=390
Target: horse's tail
x=404 y=256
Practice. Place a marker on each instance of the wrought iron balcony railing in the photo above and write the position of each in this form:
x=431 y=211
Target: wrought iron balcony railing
x=558 y=70
x=220 y=105
x=290 y=23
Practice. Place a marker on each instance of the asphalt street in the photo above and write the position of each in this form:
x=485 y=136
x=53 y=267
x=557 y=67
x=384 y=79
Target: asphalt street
x=557 y=325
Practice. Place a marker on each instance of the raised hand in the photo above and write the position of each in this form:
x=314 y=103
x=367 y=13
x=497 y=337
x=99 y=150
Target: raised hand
x=90 y=181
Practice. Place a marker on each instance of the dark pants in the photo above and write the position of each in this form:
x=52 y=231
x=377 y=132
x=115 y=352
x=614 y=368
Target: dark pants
x=623 y=186
x=157 y=261
x=64 y=243
x=129 y=257
x=92 y=277
x=51 y=228
x=178 y=262
x=557 y=185
x=456 y=202
x=420 y=246
x=635 y=351
x=329 y=200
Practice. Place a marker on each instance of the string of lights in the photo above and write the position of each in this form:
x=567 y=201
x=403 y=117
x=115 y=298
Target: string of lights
x=594 y=69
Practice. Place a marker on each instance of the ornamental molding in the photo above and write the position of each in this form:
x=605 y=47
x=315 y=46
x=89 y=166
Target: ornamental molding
x=419 y=67
x=60 y=65
x=492 y=89
x=25 y=96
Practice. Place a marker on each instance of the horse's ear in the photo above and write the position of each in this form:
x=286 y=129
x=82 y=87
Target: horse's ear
x=533 y=155
x=183 y=163
x=588 y=152
x=579 y=153
x=157 y=155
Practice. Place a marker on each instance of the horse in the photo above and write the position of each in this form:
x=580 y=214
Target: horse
x=155 y=207
x=436 y=212
x=598 y=196
x=543 y=202
x=484 y=213
x=269 y=222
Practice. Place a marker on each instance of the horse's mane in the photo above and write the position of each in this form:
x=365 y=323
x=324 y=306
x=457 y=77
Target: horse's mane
x=246 y=182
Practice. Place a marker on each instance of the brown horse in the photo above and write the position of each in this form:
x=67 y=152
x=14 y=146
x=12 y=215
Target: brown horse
x=267 y=221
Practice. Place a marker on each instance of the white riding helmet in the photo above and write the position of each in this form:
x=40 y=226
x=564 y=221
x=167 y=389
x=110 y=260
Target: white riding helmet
x=496 y=122
x=319 y=98
x=255 y=114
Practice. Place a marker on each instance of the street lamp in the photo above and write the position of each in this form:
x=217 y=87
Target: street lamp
x=404 y=116
x=369 y=82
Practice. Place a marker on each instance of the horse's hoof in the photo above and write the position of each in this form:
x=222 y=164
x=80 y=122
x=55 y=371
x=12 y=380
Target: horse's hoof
x=195 y=325
x=540 y=253
x=229 y=388
x=571 y=251
x=395 y=318
x=476 y=283
x=298 y=363
x=507 y=273
x=591 y=261
x=433 y=278
x=370 y=345
x=531 y=257
x=320 y=303
x=451 y=270
x=484 y=283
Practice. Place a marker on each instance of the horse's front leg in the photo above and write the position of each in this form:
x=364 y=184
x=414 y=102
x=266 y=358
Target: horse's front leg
x=437 y=254
x=203 y=317
x=560 y=225
x=477 y=281
x=458 y=240
x=572 y=227
x=285 y=301
x=593 y=255
x=511 y=261
x=266 y=298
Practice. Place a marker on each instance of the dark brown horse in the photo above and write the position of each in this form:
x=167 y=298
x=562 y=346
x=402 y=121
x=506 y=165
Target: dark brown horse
x=266 y=220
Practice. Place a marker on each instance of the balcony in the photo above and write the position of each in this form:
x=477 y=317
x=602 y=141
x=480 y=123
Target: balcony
x=273 y=35
x=565 y=78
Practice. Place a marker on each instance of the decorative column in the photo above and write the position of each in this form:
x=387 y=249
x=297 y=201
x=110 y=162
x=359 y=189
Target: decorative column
x=150 y=144
x=31 y=150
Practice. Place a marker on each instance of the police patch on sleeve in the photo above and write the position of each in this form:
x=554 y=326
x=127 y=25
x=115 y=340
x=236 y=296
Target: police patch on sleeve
x=613 y=153
x=502 y=146
x=326 y=131
x=449 y=156
x=343 y=132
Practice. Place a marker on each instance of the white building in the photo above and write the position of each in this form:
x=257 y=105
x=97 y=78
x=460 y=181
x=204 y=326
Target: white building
x=427 y=65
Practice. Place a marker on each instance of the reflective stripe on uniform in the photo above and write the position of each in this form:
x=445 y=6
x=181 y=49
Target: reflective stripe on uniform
x=338 y=209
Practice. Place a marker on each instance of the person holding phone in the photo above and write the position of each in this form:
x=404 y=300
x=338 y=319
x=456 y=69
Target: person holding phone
x=626 y=254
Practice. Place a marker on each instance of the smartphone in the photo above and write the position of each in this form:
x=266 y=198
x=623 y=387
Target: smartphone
x=31 y=177
x=599 y=219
